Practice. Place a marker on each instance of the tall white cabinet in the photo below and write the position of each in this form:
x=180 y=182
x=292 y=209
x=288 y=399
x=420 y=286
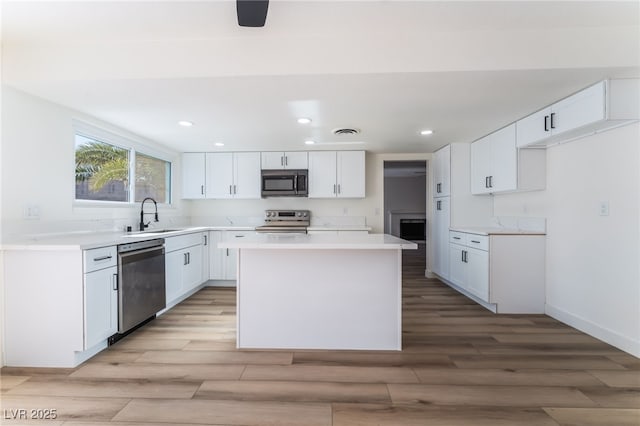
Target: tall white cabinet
x=452 y=203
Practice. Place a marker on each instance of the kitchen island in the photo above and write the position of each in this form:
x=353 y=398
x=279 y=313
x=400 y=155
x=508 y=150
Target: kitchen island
x=300 y=291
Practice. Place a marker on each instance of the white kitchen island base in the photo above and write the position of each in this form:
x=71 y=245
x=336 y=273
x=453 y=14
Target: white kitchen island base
x=320 y=292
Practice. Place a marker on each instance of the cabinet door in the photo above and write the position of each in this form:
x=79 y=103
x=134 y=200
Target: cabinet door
x=296 y=160
x=457 y=266
x=504 y=160
x=219 y=175
x=481 y=165
x=193 y=175
x=442 y=172
x=174 y=263
x=216 y=256
x=192 y=273
x=350 y=174
x=534 y=128
x=440 y=235
x=246 y=174
x=101 y=305
x=322 y=174
x=205 y=256
x=478 y=273
x=272 y=160
x=585 y=107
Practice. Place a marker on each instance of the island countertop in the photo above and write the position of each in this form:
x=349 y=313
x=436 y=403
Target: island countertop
x=316 y=241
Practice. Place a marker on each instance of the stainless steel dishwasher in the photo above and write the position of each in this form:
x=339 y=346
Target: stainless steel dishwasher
x=141 y=282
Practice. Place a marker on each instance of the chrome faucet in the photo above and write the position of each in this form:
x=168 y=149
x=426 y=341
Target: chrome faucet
x=142 y=213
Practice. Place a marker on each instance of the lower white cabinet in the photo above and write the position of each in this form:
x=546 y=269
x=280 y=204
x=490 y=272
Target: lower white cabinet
x=223 y=262
x=183 y=264
x=100 y=296
x=505 y=271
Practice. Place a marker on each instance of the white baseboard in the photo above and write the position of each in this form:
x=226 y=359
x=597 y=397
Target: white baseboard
x=606 y=335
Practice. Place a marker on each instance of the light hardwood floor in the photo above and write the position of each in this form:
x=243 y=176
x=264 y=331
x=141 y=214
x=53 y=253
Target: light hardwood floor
x=461 y=365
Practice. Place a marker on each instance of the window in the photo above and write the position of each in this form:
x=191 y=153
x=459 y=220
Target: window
x=102 y=171
x=105 y=166
x=153 y=179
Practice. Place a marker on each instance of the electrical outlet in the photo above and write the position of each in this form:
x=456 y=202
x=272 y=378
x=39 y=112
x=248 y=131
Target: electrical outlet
x=604 y=208
x=32 y=212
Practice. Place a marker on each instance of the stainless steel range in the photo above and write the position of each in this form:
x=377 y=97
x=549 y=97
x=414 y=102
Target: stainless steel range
x=294 y=221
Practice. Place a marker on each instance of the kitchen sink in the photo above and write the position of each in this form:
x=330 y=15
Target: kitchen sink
x=152 y=232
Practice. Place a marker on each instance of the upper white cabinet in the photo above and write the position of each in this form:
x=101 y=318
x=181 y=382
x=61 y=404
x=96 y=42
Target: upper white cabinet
x=233 y=175
x=442 y=172
x=497 y=165
x=285 y=160
x=607 y=104
x=336 y=174
x=193 y=175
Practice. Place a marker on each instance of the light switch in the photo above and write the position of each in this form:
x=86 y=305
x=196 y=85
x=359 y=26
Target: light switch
x=604 y=208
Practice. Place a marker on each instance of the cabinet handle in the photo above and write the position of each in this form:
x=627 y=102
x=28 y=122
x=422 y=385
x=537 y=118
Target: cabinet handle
x=462 y=256
x=235 y=189
x=546 y=123
x=456 y=238
x=201 y=189
x=490 y=181
x=438 y=205
x=486 y=181
x=100 y=259
x=114 y=282
x=474 y=241
x=286 y=161
x=227 y=252
x=339 y=191
x=230 y=189
x=206 y=241
x=553 y=122
x=282 y=160
x=184 y=261
x=334 y=189
x=188 y=258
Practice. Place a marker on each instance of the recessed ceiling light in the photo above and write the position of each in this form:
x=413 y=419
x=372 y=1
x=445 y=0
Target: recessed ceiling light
x=219 y=144
x=309 y=142
x=426 y=132
x=185 y=123
x=304 y=120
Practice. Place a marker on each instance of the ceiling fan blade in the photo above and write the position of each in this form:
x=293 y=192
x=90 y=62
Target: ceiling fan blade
x=252 y=13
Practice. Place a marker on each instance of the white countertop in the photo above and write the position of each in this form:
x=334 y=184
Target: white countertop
x=319 y=241
x=90 y=240
x=497 y=231
x=339 y=228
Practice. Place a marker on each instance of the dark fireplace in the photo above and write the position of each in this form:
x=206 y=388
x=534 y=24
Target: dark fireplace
x=412 y=229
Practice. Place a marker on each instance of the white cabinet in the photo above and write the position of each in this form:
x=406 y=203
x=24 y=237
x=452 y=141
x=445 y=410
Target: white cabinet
x=100 y=295
x=337 y=174
x=442 y=172
x=454 y=205
x=285 y=160
x=233 y=175
x=440 y=234
x=604 y=105
x=505 y=272
x=223 y=262
x=183 y=265
x=193 y=175
x=497 y=165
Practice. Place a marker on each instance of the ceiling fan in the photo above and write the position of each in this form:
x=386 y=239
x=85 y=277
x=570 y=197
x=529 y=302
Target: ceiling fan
x=252 y=13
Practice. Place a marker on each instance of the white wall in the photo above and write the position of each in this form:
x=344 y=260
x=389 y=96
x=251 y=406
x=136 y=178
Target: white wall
x=38 y=169
x=370 y=207
x=592 y=265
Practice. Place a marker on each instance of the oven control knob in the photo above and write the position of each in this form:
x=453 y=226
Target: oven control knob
x=268 y=214
x=299 y=214
x=305 y=214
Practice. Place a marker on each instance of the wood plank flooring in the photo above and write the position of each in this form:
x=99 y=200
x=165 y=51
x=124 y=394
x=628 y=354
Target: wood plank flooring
x=460 y=365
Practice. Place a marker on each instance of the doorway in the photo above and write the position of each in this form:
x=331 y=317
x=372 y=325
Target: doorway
x=405 y=193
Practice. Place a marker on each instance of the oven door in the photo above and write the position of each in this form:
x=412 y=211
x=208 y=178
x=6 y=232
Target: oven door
x=283 y=183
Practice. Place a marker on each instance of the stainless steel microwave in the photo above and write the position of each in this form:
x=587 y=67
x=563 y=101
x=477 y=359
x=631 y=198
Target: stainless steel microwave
x=285 y=183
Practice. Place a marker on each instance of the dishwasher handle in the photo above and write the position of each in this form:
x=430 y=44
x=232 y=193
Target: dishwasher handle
x=135 y=256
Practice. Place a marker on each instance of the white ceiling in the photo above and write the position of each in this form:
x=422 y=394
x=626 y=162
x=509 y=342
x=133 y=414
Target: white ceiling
x=389 y=68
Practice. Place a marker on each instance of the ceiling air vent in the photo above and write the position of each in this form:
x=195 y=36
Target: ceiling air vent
x=345 y=131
